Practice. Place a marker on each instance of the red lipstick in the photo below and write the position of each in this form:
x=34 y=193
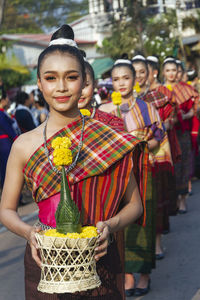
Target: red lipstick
x=62 y=99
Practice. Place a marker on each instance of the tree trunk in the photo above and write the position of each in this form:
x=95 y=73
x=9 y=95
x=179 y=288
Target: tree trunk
x=2 y=5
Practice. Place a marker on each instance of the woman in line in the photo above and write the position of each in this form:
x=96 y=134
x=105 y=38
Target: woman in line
x=87 y=104
x=141 y=120
x=102 y=158
x=186 y=127
x=166 y=108
x=160 y=160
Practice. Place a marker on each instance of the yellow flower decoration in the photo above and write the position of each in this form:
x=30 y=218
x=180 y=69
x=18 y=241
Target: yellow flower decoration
x=86 y=232
x=116 y=98
x=85 y=112
x=137 y=87
x=189 y=82
x=61 y=142
x=62 y=155
x=169 y=87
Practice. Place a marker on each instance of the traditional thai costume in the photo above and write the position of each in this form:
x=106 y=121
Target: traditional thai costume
x=187 y=133
x=164 y=169
x=98 y=183
x=142 y=121
x=7 y=137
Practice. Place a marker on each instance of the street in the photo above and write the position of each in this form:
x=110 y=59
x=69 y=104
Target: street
x=175 y=278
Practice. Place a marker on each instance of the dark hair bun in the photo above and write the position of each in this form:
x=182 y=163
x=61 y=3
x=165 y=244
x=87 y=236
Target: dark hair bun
x=65 y=32
x=83 y=53
x=124 y=56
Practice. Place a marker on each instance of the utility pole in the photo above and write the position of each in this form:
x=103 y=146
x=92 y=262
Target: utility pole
x=179 y=28
x=2 y=5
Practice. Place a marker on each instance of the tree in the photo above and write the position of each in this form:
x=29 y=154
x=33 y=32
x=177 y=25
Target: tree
x=27 y=16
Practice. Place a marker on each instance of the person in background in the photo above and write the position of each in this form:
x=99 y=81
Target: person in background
x=40 y=104
x=180 y=70
x=7 y=134
x=23 y=113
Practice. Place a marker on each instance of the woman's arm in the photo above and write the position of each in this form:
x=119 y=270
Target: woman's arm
x=152 y=144
x=130 y=212
x=13 y=185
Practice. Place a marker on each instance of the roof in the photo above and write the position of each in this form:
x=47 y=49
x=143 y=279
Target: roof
x=40 y=39
x=102 y=65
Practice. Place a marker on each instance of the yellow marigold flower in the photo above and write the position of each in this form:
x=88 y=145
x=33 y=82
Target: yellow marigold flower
x=61 y=142
x=86 y=232
x=62 y=157
x=116 y=98
x=73 y=235
x=189 y=82
x=169 y=87
x=85 y=112
x=137 y=87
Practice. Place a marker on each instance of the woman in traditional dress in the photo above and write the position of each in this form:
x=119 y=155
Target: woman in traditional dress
x=160 y=97
x=102 y=158
x=186 y=127
x=141 y=120
x=87 y=104
x=161 y=163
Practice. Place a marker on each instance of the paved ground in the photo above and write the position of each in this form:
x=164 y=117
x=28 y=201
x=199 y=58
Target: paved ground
x=175 y=278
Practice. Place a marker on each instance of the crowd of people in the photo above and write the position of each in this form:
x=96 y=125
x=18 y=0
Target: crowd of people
x=135 y=158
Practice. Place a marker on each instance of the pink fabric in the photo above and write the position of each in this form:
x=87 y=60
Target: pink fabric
x=47 y=209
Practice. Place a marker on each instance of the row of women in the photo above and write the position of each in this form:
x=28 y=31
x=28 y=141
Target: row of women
x=122 y=177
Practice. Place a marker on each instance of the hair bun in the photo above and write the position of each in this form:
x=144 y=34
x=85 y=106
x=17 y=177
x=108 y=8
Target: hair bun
x=65 y=31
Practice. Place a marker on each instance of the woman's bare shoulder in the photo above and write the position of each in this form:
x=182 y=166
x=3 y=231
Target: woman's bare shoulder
x=28 y=142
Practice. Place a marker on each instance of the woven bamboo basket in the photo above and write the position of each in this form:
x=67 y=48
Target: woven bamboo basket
x=68 y=265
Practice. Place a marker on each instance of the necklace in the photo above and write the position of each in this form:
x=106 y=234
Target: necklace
x=94 y=107
x=70 y=167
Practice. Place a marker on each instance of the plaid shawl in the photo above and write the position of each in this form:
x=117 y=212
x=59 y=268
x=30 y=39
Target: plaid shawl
x=109 y=119
x=184 y=92
x=170 y=94
x=161 y=103
x=102 y=150
x=156 y=97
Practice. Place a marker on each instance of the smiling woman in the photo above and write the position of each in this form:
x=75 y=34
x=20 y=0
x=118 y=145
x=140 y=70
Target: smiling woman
x=102 y=158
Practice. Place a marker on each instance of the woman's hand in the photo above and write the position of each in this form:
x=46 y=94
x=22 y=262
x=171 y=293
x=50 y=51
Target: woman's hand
x=33 y=244
x=104 y=231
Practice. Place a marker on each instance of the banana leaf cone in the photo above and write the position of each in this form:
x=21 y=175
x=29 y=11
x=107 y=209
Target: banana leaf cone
x=67 y=214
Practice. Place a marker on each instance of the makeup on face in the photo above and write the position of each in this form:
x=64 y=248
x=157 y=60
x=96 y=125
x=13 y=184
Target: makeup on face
x=61 y=81
x=141 y=73
x=123 y=80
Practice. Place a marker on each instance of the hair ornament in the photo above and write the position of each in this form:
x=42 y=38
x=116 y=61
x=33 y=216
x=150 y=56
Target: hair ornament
x=169 y=59
x=62 y=41
x=122 y=61
x=152 y=59
x=139 y=57
x=191 y=72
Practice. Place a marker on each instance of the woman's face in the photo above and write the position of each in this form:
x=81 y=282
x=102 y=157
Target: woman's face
x=179 y=75
x=152 y=75
x=170 y=72
x=123 y=80
x=141 y=73
x=61 y=81
x=87 y=92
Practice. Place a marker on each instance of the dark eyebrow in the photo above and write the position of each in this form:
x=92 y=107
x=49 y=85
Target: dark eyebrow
x=55 y=72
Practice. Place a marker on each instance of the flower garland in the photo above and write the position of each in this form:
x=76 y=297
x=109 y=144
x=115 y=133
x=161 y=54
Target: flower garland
x=137 y=87
x=169 y=86
x=85 y=112
x=117 y=100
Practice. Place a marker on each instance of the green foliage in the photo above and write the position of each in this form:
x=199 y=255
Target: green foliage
x=12 y=73
x=122 y=40
x=142 y=33
x=30 y=16
x=192 y=21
